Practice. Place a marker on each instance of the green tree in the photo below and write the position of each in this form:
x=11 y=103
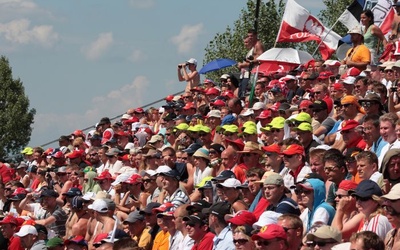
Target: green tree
x=15 y=116
x=229 y=44
x=332 y=12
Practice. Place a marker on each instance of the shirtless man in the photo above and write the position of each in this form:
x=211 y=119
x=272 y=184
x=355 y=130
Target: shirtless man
x=396 y=20
x=192 y=78
x=78 y=222
x=104 y=222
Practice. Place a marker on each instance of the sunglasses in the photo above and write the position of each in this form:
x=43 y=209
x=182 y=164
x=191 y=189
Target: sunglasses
x=275 y=130
x=363 y=198
x=390 y=210
x=94 y=154
x=147 y=180
x=318 y=243
x=347 y=105
x=330 y=169
x=240 y=241
x=264 y=242
x=288 y=228
x=248 y=154
x=317 y=92
x=288 y=156
x=317 y=110
x=340 y=196
x=212 y=152
x=302 y=191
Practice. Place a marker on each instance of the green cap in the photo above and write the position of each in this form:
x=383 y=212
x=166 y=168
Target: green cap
x=54 y=242
x=277 y=122
x=303 y=117
x=195 y=128
x=250 y=130
x=304 y=126
x=203 y=128
x=249 y=123
x=266 y=128
x=89 y=169
x=230 y=128
x=182 y=126
x=27 y=151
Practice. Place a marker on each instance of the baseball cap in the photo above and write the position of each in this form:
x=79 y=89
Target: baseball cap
x=229 y=183
x=163 y=208
x=114 y=236
x=267 y=218
x=198 y=206
x=173 y=173
x=273 y=148
x=214 y=113
x=18 y=194
x=277 y=122
x=258 y=106
x=9 y=219
x=241 y=218
x=99 y=205
x=133 y=217
x=25 y=230
x=104 y=175
x=366 y=189
x=293 y=149
x=266 y=113
x=349 y=185
x=163 y=169
x=274 y=179
x=198 y=218
x=27 y=151
x=228 y=119
x=349 y=124
x=149 y=208
x=48 y=193
x=326 y=233
x=74 y=191
x=304 y=126
x=202 y=153
x=192 y=148
x=121 y=178
x=270 y=232
x=79 y=240
x=324 y=75
x=356 y=30
x=134 y=179
x=77 y=202
x=225 y=174
x=192 y=61
x=319 y=105
x=219 y=209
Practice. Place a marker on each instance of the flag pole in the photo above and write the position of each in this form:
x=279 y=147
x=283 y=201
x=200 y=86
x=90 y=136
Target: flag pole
x=323 y=39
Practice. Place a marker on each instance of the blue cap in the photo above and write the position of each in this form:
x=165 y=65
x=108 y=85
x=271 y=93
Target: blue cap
x=226 y=174
x=366 y=189
x=192 y=148
x=228 y=119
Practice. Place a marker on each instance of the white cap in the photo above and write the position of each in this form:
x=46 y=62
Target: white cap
x=230 y=183
x=99 y=205
x=88 y=196
x=288 y=78
x=163 y=169
x=349 y=80
x=192 y=61
x=267 y=218
x=224 y=76
x=214 y=113
x=148 y=172
x=356 y=30
x=126 y=116
x=247 y=112
x=25 y=230
x=121 y=178
x=258 y=106
x=161 y=110
x=332 y=63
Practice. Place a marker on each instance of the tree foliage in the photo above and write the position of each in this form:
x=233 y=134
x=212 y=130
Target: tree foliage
x=15 y=116
x=333 y=10
x=229 y=44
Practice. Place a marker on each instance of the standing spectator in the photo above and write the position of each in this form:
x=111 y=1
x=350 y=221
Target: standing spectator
x=359 y=55
x=192 y=77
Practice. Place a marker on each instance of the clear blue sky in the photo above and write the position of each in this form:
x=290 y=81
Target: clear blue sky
x=82 y=60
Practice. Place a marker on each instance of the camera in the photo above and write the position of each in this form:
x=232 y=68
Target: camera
x=393 y=89
x=179 y=66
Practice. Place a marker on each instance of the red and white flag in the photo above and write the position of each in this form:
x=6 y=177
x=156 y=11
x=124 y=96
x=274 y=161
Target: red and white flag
x=298 y=25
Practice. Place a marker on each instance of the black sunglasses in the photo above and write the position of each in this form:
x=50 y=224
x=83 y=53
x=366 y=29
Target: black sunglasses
x=240 y=241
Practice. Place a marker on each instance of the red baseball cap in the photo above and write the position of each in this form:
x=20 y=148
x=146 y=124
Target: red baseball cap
x=121 y=133
x=324 y=75
x=228 y=94
x=349 y=124
x=293 y=149
x=164 y=207
x=238 y=142
x=18 y=191
x=198 y=89
x=352 y=72
x=131 y=120
x=9 y=219
x=206 y=81
x=275 y=107
x=78 y=132
x=138 y=110
x=212 y=91
x=338 y=86
x=272 y=84
x=242 y=217
x=218 y=102
x=273 y=148
x=270 y=232
x=305 y=104
x=75 y=154
x=189 y=105
x=169 y=98
x=99 y=238
x=135 y=178
x=104 y=175
x=347 y=185
x=264 y=114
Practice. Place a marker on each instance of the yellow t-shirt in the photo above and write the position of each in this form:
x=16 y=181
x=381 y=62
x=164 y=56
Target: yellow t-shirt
x=144 y=240
x=161 y=242
x=359 y=54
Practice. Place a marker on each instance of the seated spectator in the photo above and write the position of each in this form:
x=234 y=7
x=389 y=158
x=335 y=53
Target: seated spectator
x=325 y=237
x=391 y=169
x=293 y=227
x=311 y=194
x=373 y=219
x=271 y=237
x=198 y=230
x=366 y=240
x=242 y=239
x=346 y=209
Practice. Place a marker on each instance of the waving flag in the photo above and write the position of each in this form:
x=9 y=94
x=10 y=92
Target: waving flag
x=383 y=14
x=298 y=25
